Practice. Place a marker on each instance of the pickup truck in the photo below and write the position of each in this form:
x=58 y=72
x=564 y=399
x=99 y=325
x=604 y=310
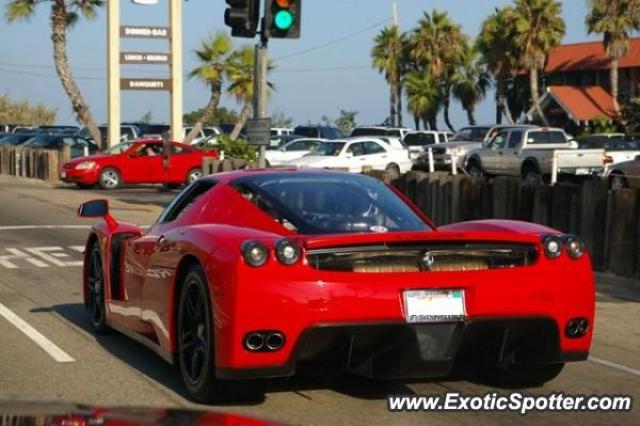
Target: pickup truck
x=531 y=153
x=458 y=146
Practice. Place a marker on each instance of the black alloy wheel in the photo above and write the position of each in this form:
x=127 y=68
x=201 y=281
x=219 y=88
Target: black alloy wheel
x=95 y=302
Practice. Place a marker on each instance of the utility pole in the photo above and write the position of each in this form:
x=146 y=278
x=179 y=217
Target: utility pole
x=395 y=13
x=260 y=91
x=175 y=17
x=113 y=73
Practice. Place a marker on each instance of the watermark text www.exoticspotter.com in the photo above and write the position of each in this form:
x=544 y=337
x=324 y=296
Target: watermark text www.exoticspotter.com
x=515 y=402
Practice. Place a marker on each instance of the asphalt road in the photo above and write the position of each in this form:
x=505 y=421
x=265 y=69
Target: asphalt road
x=40 y=253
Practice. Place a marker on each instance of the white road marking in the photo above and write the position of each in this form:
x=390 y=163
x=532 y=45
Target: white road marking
x=52 y=255
x=47 y=345
x=27 y=227
x=41 y=257
x=615 y=366
x=8 y=260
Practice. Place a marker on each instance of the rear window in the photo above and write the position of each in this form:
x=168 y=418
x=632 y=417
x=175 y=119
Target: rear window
x=309 y=132
x=419 y=139
x=311 y=203
x=369 y=131
x=547 y=138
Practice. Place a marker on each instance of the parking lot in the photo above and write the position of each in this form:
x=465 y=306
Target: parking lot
x=49 y=353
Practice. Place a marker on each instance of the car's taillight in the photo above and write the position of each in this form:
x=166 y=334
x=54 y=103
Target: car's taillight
x=607 y=159
x=288 y=252
x=552 y=246
x=255 y=253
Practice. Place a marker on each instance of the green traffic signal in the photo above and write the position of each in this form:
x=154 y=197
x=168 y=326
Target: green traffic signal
x=283 y=20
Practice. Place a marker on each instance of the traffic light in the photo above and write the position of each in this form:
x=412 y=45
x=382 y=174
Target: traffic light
x=283 y=18
x=243 y=17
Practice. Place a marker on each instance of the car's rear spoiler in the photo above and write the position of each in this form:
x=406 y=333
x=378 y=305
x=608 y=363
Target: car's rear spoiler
x=338 y=240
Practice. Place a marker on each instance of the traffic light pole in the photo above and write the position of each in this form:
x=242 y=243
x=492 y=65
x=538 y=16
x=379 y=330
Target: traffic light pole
x=260 y=88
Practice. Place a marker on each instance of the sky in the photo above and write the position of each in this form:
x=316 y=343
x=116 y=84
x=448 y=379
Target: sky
x=328 y=69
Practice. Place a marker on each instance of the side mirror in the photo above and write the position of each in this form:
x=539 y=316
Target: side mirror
x=574 y=145
x=95 y=208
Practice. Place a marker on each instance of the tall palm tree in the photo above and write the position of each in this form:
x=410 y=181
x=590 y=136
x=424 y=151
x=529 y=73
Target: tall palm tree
x=241 y=79
x=438 y=45
x=496 y=45
x=214 y=66
x=387 y=56
x=63 y=14
x=423 y=94
x=539 y=28
x=470 y=83
x=615 y=19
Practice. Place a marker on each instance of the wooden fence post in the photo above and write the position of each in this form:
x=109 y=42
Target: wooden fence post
x=624 y=233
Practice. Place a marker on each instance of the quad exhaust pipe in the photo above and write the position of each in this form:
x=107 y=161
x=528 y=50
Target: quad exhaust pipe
x=258 y=341
x=577 y=327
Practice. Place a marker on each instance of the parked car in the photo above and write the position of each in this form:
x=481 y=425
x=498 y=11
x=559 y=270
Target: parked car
x=15 y=139
x=318 y=132
x=460 y=144
x=354 y=153
x=376 y=131
x=204 y=133
x=80 y=147
x=616 y=150
x=624 y=175
x=269 y=271
x=280 y=131
x=128 y=132
x=7 y=128
x=60 y=129
x=139 y=162
x=419 y=141
x=293 y=150
x=529 y=152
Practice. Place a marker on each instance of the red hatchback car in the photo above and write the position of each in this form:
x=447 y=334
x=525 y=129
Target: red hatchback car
x=136 y=162
x=251 y=275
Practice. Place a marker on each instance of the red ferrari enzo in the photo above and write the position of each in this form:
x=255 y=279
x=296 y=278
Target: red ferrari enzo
x=259 y=274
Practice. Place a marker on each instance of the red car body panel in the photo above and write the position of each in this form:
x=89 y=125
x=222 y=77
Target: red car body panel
x=299 y=298
x=139 y=169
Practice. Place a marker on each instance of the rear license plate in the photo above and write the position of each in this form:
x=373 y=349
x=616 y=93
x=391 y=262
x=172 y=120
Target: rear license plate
x=582 y=172
x=63 y=175
x=422 y=306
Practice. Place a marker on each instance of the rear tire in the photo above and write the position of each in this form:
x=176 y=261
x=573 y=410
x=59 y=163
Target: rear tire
x=617 y=181
x=95 y=301
x=193 y=175
x=109 y=179
x=532 y=177
x=195 y=344
x=474 y=170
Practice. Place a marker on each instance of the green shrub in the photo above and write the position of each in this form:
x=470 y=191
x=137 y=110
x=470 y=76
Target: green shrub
x=238 y=149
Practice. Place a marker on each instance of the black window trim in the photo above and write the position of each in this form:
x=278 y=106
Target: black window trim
x=182 y=200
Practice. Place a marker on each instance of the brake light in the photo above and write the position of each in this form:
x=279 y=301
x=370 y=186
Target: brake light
x=607 y=159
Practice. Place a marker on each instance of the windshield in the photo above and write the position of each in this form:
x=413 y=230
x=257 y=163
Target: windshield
x=331 y=149
x=15 y=138
x=471 y=134
x=309 y=132
x=313 y=203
